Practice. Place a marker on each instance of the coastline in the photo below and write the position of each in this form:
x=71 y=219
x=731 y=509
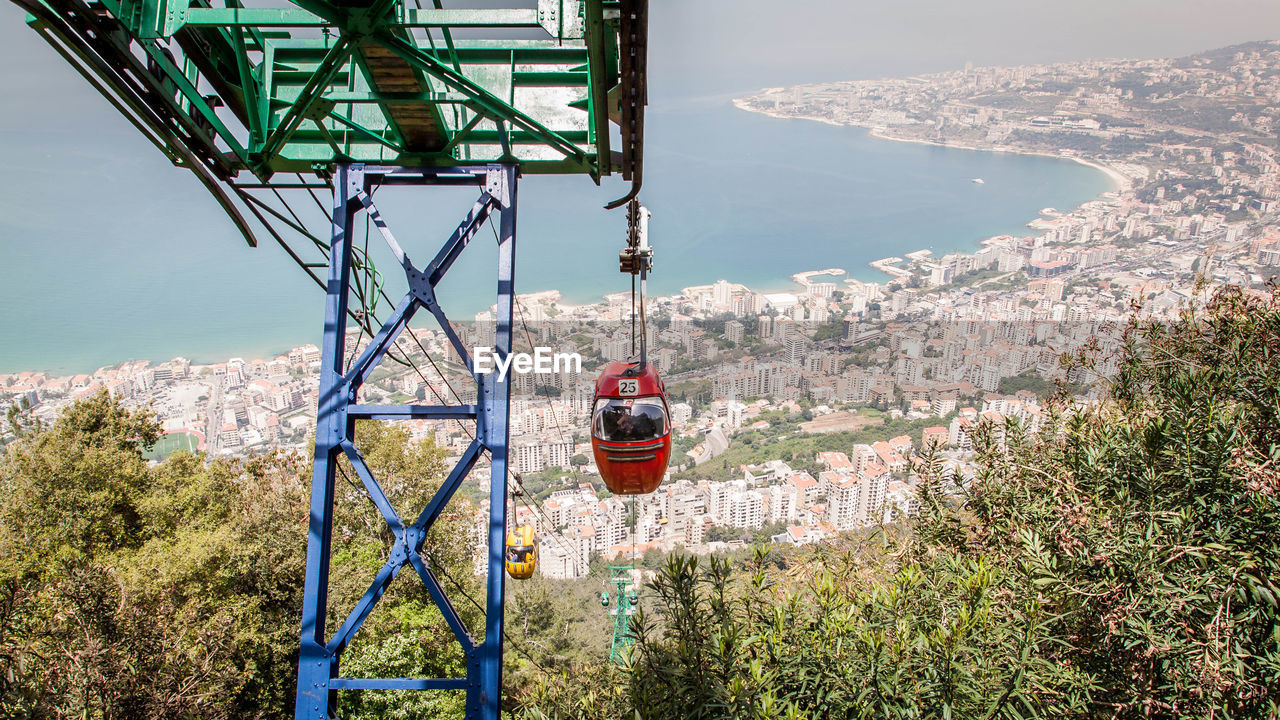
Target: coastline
x=738 y=103
x=778 y=280
x=1122 y=182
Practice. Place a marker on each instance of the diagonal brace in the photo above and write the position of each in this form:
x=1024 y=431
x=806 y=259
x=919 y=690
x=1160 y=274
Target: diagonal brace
x=307 y=99
x=376 y=494
x=381 y=224
x=433 y=509
x=443 y=603
x=386 y=337
x=370 y=598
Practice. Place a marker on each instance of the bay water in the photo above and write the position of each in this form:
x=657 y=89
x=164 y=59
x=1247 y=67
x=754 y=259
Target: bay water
x=111 y=254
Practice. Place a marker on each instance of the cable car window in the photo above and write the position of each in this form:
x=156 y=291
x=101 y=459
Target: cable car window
x=519 y=553
x=628 y=420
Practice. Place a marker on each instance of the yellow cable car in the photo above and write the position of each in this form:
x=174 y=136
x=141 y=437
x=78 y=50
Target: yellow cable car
x=522 y=552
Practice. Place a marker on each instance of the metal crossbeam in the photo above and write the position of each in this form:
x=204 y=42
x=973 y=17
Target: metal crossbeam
x=306 y=85
x=298 y=18
x=320 y=656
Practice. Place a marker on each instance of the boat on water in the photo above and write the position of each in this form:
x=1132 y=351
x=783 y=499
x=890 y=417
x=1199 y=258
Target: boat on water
x=979 y=181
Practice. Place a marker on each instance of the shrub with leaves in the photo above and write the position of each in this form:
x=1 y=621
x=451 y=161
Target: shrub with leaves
x=130 y=590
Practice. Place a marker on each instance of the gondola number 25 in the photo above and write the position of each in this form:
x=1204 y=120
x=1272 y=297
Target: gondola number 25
x=628 y=386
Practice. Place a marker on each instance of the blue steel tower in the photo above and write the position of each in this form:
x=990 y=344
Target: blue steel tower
x=261 y=100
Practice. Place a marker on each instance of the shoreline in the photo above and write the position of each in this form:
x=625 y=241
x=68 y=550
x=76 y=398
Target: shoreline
x=1122 y=182
x=783 y=283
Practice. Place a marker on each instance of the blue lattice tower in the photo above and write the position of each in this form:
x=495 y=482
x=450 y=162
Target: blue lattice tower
x=319 y=676
x=260 y=99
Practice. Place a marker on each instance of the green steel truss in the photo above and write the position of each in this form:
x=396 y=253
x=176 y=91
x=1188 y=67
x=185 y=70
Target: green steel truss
x=303 y=85
x=624 y=607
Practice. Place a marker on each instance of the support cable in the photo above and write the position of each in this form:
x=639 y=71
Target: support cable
x=361 y=292
x=537 y=506
x=436 y=565
x=570 y=547
x=288 y=207
x=311 y=191
x=365 y=323
x=254 y=205
x=550 y=407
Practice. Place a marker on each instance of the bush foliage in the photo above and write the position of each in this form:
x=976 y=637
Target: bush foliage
x=130 y=590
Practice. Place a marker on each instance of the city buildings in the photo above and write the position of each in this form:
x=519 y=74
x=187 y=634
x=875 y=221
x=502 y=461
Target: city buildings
x=950 y=347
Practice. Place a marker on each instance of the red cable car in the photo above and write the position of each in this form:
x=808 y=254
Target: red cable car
x=630 y=420
x=630 y=428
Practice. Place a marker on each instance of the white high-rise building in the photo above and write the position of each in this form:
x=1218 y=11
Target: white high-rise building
x=782 y=502
x=873 y=489
x=765 y=328
x=745 y=509
x=734 y=331
x=681 y=413
x=728 y=413
x=555 y=562
x=818 y=313
x=559 y=452
x=717 y=497
x=527 y=456
x=722 y=293
x=581 y=539
x=611 y=530
x=843 y=500
x=795 y=345
x=616 y=349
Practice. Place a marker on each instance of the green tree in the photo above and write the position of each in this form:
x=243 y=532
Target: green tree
x=74 y=491
x=695 y=659
x=136 y=591
x=21 y=422
x=722 y=533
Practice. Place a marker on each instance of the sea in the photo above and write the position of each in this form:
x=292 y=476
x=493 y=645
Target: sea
x=112 y=254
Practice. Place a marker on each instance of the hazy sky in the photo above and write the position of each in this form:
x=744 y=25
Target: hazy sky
x=737 y=44
x=724 y=46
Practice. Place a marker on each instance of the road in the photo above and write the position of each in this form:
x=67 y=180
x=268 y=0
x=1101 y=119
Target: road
x=213 y=420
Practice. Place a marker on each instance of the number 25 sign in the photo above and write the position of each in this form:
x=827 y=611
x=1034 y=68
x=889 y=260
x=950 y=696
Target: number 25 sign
x=628 y=386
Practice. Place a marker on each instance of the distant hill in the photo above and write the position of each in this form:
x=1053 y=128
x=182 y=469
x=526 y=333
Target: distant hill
x=1222 y=58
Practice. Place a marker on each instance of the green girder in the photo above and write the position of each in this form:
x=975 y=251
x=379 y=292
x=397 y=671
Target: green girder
x=269 y=90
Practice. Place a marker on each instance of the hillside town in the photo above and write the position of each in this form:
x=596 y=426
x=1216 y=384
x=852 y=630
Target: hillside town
x=800 y=415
